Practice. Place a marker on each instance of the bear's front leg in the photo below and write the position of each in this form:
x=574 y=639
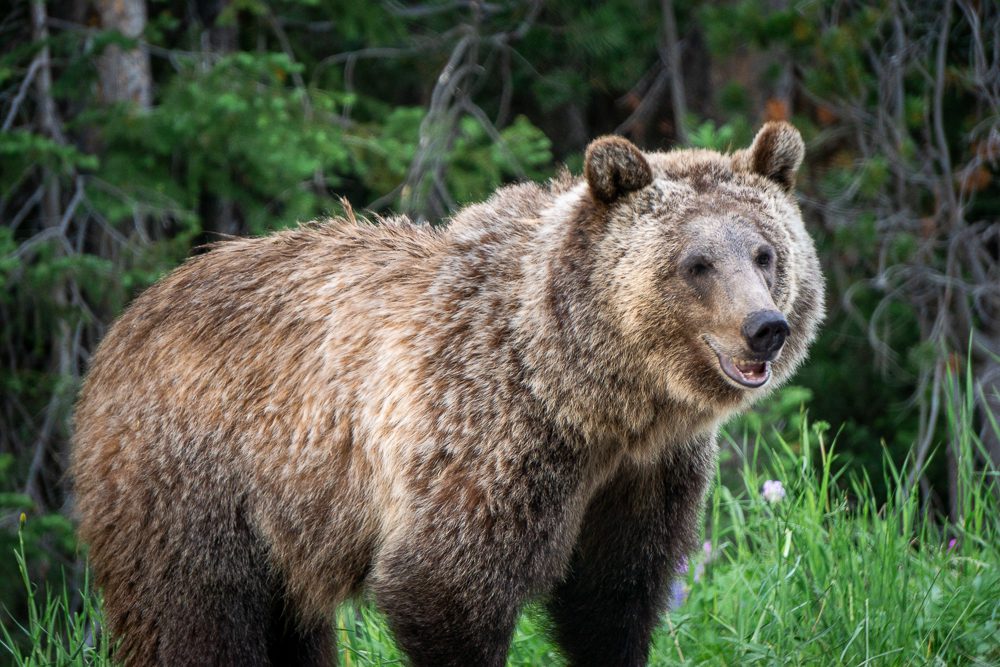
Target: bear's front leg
x=473 y=546
x=436 y=622
x=635 y=533
x=452 y=595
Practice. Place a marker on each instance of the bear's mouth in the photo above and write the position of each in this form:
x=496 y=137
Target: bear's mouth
x=750 y=374
x=744 y=372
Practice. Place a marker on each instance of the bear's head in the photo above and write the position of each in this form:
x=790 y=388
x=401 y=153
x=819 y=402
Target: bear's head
x=705 y=261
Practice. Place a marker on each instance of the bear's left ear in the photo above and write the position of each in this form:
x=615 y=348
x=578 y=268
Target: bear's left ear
x=776 y=153
x=613 y=167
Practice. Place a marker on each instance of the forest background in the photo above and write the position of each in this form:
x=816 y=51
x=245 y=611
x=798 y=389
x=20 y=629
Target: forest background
x=134 y=132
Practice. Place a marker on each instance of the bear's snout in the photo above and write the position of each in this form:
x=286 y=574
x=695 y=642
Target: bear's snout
x=765 y=332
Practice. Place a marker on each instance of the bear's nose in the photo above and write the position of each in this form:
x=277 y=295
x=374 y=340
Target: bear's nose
x=765 y=332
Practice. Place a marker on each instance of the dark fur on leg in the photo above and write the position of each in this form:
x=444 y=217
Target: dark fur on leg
x=214 y=633
x=436 y=626
x=213 y=615
x=291 y=644
x=186 y=585
x=635 y=533
x=436 y=632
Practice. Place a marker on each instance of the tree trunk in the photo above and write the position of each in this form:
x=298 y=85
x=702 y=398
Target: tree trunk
x=124 y=73
x=673 y=52
x=62 y=364
x=219 y=36
x=220 y=215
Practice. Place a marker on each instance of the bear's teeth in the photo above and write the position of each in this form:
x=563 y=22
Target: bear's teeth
x=746 y=373
x=752 y=368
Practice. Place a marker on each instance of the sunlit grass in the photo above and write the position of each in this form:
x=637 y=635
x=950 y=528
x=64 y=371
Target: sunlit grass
x=829 y=576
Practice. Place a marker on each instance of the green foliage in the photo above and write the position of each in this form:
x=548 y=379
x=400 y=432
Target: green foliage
x=236 y=131
x=61 y=627
x=782 y=413
x=9 y=261
x=831 y=574
x=477 y=163
x=581 y=50
x=21 y=150
x=726 y=137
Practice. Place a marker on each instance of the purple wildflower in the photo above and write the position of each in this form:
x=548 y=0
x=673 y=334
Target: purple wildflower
x=773 y=491
x=678 y=594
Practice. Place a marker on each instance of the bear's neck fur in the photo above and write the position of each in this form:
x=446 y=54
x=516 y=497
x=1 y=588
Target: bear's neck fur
x=590 y=379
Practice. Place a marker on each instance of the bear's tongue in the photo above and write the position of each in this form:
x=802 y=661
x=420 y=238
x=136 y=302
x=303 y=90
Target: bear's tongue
x=746 y=373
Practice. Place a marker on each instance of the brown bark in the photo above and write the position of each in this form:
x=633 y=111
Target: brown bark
x=124 y=73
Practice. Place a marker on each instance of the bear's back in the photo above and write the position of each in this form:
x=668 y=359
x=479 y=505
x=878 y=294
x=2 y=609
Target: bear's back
x=260 y=301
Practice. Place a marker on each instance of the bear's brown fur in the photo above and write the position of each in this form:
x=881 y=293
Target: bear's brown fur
x=452 y=421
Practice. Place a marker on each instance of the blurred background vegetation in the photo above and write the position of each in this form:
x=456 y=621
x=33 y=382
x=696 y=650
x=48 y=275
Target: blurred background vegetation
x=134 y=131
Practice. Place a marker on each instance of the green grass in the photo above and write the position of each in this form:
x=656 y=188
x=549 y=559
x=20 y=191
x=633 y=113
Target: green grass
x=57 y=628
x=829 y=576
x=826 y=576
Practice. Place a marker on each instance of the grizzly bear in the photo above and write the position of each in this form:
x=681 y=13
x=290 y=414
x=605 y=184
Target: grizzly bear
x=447 y=421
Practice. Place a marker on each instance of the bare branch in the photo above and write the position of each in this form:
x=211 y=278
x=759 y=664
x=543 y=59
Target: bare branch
x=423 y=11
x=22 y=91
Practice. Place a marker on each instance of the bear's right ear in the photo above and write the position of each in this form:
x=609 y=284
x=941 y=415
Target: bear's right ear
x=613 y=167
x=776 y=154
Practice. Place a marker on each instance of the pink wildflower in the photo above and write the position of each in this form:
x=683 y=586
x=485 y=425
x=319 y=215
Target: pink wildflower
x=773 y=491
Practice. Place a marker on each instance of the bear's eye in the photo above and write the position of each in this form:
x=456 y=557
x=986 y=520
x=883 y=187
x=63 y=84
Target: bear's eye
x=699 y=268
x=764 y=259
